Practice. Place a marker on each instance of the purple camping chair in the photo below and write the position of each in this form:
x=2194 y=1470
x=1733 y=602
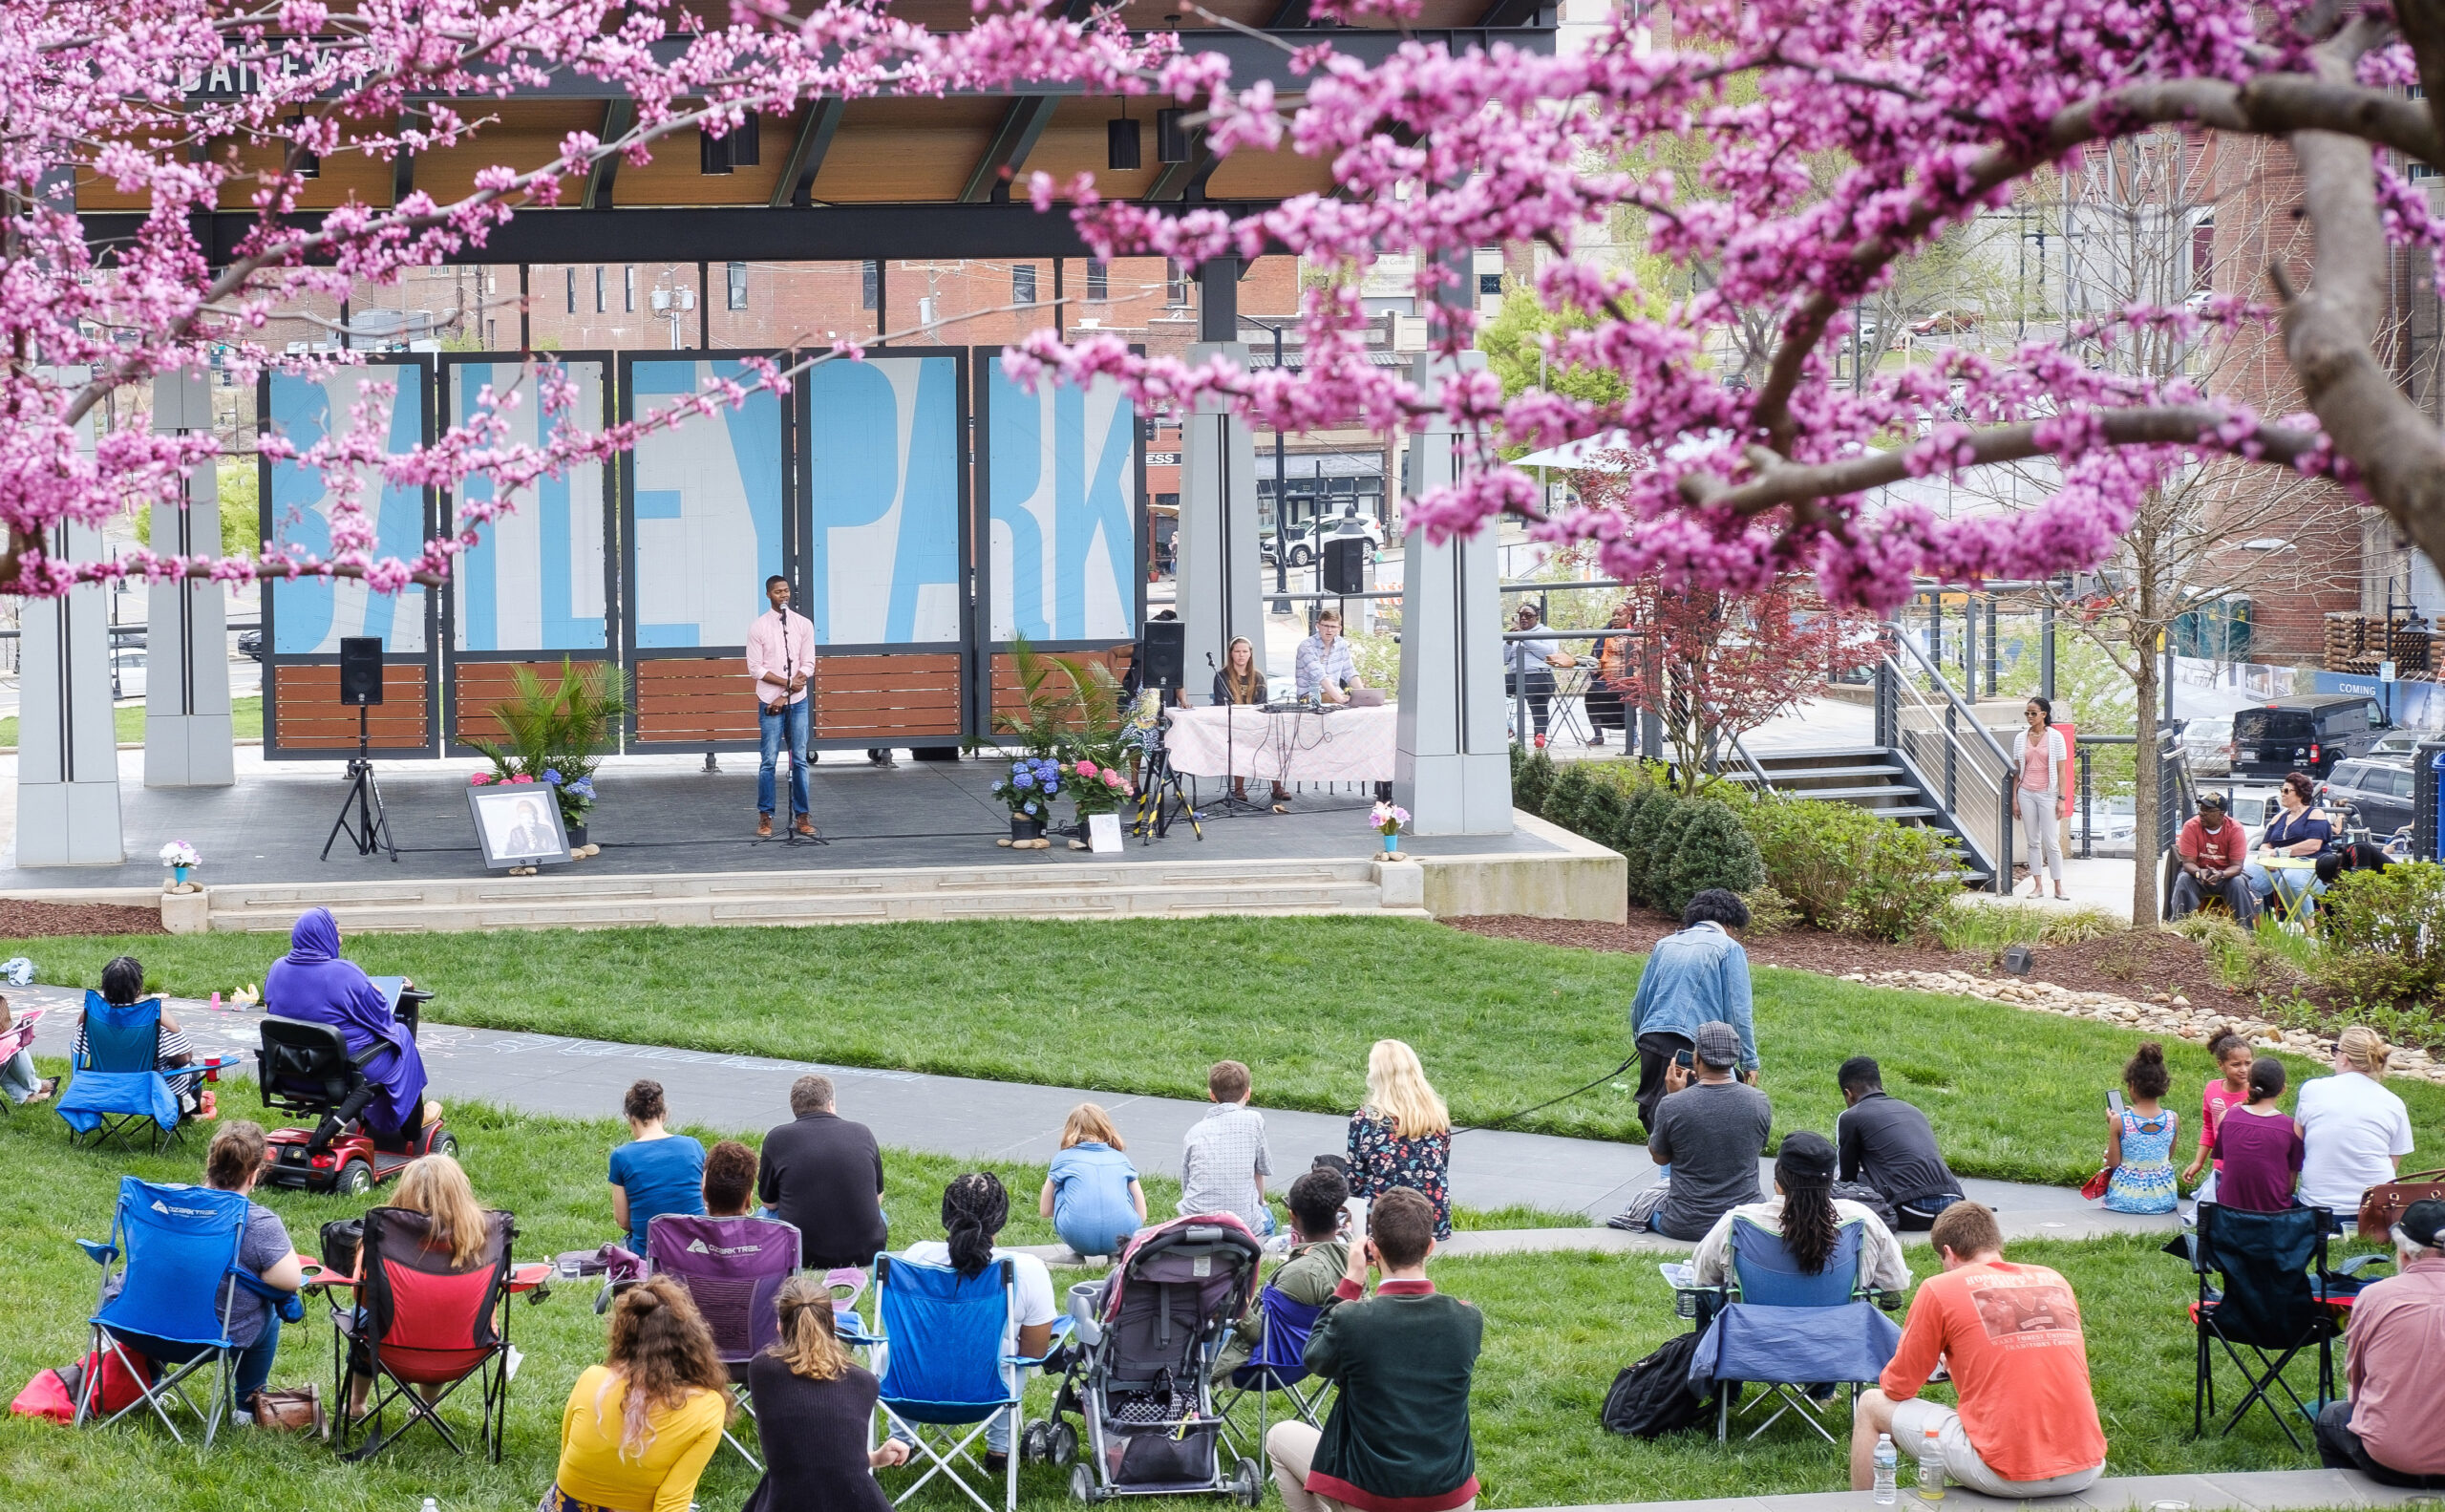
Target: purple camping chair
x=733 y=1268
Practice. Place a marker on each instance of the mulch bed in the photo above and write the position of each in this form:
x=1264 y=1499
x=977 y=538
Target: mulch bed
x=2137 y=964
x=24 y=919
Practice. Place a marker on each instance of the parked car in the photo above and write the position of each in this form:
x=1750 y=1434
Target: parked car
x=2207 y=745
x=2398 y=745
x=250 y=645
x=2305 y=732
x=1945 y=323
x=2376 y=793
x=127 y=672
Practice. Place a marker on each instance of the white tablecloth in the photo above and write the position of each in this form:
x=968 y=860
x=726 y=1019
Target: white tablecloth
x=1348 y=745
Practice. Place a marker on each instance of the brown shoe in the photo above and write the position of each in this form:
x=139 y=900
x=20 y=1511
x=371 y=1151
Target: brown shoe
x=763 y=827
x=805 y=826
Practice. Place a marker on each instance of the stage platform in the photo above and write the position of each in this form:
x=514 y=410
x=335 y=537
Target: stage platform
x=912 y=842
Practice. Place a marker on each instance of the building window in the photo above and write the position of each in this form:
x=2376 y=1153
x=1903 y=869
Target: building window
x=572 y=273
x=1099 y=280
x=597 y=289
x=1490 y=283
x=873 y=270
x=1023 y=284
x=738 y=286
x=628 y=288
x=2421 y=170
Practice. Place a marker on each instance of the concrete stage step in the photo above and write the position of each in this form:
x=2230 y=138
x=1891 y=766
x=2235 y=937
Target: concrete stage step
x=1064 y=889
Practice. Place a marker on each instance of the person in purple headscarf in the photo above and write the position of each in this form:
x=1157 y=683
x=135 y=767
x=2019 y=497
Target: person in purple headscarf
x=313 y=983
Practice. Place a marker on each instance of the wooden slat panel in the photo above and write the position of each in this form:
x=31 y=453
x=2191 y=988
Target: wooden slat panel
x=880 y=698
x=898 y=150
x=684 y=698
x=475 y=687
x=310 y=717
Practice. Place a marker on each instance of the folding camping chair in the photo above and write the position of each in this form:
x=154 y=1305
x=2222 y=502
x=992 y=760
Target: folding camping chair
x=734 y=1269
x=1789 y=1330
x=18 y=1036
x=938 y=1344
x=175 y=1246
x=1279 y=1363
x=116 y=1083
x=418 y=1321
x=2278 y=1296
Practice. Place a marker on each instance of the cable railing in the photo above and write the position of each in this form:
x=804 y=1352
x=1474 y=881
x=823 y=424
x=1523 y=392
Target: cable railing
x=1953 y=756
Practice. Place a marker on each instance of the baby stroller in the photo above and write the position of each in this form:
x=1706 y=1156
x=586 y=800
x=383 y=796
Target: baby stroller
x=1137 y=1374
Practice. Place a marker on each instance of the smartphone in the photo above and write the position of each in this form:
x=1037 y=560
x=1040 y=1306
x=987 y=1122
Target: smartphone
x=1356 y=1208
x=1685 y=1060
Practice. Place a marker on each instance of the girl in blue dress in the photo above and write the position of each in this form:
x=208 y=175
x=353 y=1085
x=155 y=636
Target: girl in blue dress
x=2139 y=1139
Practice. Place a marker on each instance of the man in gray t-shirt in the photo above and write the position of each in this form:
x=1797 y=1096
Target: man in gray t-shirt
x=1710 y=1132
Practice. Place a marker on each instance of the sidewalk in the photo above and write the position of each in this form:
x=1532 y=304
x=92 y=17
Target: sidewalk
x=2238 y=1491
x=550 y=1074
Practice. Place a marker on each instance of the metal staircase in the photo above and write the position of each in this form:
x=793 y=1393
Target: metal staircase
x=1934 y=762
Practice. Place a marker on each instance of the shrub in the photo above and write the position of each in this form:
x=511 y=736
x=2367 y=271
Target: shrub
x=1711 y=850
x=1570 y=789
x=1909 y=876
x=1641 y=835
x=1532 y=778
x=1769 y=912
x=1810 y=849
x=1600 y=814
x=1668 y=830
x=2385 y=934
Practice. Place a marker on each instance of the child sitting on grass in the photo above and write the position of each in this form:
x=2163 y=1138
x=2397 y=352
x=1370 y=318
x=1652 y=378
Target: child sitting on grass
x=2258 y=1147
x=1092 y=1193
x=2223 y=1093
x=2139 y=1139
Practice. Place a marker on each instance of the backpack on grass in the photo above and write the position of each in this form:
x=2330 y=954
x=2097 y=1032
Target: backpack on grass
x=1653 y=1396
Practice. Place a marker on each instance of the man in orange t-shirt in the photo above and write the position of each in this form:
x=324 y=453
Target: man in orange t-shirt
x=2011 y=1336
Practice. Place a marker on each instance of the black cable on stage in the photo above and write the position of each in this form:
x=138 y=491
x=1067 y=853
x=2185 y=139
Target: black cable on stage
x=1513 y=1117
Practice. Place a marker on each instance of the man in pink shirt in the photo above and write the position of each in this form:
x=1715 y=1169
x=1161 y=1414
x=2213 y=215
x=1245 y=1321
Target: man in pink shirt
x=780 y=662
x=2394 y=1354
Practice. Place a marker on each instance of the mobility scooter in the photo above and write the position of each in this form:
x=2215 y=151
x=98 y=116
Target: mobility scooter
x=305 y=1068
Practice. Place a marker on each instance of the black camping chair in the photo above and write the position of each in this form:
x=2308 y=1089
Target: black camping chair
x=2278 y=1298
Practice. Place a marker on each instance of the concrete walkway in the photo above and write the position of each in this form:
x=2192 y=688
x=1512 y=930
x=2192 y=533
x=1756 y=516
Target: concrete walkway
x=551 y=1075
x=2240 y=1491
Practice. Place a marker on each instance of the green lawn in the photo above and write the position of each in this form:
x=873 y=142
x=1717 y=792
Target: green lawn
x=1146 y=1006
x=245 y=722
x=1557 y=1329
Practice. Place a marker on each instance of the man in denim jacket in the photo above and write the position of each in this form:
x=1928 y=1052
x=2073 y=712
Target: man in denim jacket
x=1697 y=976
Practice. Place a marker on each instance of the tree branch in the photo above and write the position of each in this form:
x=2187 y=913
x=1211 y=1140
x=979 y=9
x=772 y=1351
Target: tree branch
x=1780 y=483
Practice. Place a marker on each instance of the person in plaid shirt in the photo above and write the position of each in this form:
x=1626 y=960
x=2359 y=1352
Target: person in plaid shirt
x=1225 y=1162
x=1324 y=664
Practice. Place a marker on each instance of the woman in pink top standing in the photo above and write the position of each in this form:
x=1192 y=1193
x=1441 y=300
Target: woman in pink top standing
x=2043 y=759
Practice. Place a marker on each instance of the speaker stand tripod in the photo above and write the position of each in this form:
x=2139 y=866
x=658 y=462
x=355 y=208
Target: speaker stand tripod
x=369 y=825
x=1161 y=800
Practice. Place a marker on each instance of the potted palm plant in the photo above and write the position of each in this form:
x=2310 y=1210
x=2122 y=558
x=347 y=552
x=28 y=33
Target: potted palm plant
x=555 y=735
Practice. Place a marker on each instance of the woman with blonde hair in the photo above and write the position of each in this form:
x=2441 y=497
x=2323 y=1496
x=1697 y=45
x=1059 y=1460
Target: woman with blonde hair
x=1238 y=682
x=1402 y=1135
x=436 y=1187
x=640 y=1427
x=2354 y=1132
x=813 y=1408
x=1092 y=1193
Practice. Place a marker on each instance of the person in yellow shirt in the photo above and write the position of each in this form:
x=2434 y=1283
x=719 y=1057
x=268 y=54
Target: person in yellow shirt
x=640 y=1427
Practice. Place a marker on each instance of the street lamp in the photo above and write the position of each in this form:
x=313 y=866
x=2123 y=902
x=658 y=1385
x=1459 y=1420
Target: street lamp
x=674 y=303
x=1280 y=502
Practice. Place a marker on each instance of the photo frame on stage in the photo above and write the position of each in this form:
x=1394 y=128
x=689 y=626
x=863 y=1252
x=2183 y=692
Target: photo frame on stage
x=517 y=824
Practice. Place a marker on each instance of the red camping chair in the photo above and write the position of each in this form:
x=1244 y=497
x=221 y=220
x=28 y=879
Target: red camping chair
x=421 y=1320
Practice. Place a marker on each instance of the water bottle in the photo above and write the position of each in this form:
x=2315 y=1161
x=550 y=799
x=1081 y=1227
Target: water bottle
x=432 y=1505
x=1889 y=1459
x=1931 y=1468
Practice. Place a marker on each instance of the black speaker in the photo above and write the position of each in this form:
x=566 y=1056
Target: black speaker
x=1345 y=564
x=1166 y=650
x=360 y=669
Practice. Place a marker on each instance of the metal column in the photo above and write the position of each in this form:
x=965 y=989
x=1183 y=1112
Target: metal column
x=187 y=737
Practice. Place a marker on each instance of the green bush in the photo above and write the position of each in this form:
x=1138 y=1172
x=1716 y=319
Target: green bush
x=1909 y=876
x=1571 y=787
x=1846 y=869
x=1641 y=838
x=1600 y=814
x=2385 y=934
x=1532 y=778
x=1711 y=850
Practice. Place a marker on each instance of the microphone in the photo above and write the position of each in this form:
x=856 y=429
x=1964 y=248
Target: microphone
x=1209 y=660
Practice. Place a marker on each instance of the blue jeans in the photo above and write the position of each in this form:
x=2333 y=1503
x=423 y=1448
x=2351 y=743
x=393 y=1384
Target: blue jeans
x=17 y=1078
x=769 y=726
x=2293 y=882
x=253 y=1364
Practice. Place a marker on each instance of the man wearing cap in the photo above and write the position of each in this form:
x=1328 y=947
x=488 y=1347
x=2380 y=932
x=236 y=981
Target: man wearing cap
x=1709 y=1128
x=2394 y=1354
x=2214 y=852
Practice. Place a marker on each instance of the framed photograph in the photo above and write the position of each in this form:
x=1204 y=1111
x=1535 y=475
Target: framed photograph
x=517 y=826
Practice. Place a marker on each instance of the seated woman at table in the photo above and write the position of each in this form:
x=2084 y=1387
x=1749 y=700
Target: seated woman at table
x=313 y=984
x=2300 y=831
x=1238 y=682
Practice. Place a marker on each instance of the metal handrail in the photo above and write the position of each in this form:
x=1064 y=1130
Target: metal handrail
x=1964 y=709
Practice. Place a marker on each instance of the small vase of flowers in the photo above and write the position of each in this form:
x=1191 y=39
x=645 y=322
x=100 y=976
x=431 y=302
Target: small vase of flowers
x=183 y=859
x=1386 y=819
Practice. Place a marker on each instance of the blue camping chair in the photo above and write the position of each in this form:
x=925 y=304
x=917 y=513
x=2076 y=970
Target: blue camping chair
x=1790 y=1330
x=174 y=1245
x=116 y=1084
x=1279 y=1363
x=938 y=1350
